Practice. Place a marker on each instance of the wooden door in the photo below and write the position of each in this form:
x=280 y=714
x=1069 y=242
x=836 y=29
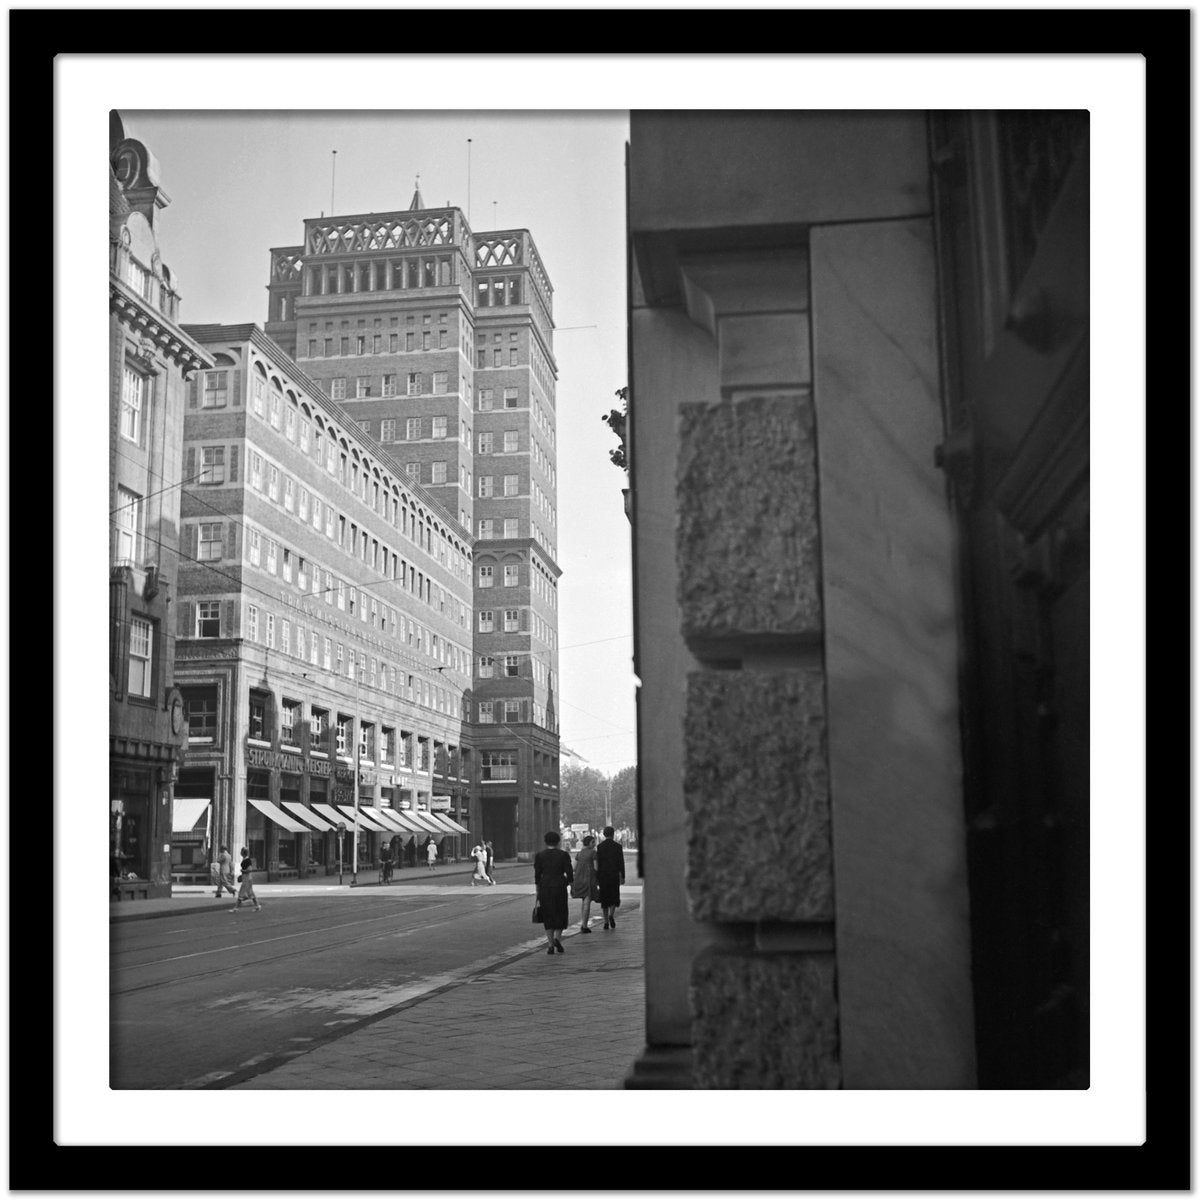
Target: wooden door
x=1011 y=216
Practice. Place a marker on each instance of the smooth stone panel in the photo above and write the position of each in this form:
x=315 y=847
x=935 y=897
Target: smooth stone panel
x=888 y=572
x=765 y=1021
x=756 y=788
x=673 y=361
x=748 y=555
x=725 y=170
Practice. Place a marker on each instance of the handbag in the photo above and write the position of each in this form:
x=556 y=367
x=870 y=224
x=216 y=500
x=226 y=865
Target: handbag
x=537 y=912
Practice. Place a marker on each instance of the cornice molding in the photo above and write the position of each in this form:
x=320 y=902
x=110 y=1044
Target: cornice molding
x=151 y=325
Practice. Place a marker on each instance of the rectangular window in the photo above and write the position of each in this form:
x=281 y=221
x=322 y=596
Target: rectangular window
x=258 y=396
x=337 y=388
x=483 y=443
x=387 y=430
x=318 y=729
x=510 y=485
x=510 y=527
x=285 y=635
x=497 y=357
x=200 y=709
x=511 y=621
x=512 y=712
x=208 y=619
x=439 y=383
x=439 y=472
x=487 y=667
x=510 y=576
x=254 y=547
x=209 y=547
x=439 y=427
x=343 y=734
x=289 y=424
x=389 y=383
x=304 y=435
x=362 y=386
x=272 y=555
x=256 y=471
x=289 y=721
x=414 y=383
x=273 y=486
x=276 y=407
x=216 y=389
x=270 y=630
x=510 y=397
x=366 y=741
x=212 y=464
x=486 y=623
x=289 y=493
x=485 y=398
x=141 y=653
x=486 y=577
x=128 y=547
x=412 y=429
x=485 y=712
x=512 y=665
x=132 y=391
x=486 y=529
x=510 y=441
x=251 y=623
x=413 y=471
x=387 y=741
x=485 y=485
x=498 y=764
x=259 y=730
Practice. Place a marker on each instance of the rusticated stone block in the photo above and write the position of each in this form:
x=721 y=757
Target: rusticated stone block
x=764 y=1021
x=756 y=788
x=748 y=552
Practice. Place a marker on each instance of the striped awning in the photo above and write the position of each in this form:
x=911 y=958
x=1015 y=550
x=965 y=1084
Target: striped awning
x=186 y=811
x=426 y=822
x=442 y=822
x=454 y=825
x=280 y=818
x=385 y=816
x=306 y=814
x=364 y=819
x=330 y=813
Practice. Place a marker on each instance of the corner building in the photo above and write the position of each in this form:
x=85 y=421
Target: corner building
x=323 y=645
x=150 y=360
x=438 y=342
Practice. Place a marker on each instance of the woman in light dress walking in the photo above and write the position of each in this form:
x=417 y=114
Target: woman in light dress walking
x=585 y=887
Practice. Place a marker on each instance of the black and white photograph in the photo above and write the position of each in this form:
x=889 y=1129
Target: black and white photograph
x=603 y=597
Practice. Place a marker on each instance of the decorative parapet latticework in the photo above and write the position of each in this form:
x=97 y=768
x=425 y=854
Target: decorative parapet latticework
x=390 y=232
x=287 y=264
x=497 y=251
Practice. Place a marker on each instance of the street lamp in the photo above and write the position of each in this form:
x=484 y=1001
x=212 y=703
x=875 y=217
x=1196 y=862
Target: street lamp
x=340 y=830
x=357 y=760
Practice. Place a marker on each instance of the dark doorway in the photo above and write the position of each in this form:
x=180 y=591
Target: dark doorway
x=500 y=824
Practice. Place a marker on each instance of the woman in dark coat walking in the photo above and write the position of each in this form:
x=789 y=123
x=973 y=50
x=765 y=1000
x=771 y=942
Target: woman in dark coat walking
x=610 y=874
x=552 y=875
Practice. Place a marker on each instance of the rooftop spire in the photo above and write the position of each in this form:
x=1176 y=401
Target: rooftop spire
x=417 y=202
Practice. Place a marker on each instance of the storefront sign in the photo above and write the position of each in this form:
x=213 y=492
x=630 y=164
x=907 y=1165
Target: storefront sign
x=367 y=778
x=440 y=803
x=273 y=758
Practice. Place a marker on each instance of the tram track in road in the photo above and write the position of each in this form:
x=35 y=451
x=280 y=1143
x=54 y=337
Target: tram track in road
x=203 y=957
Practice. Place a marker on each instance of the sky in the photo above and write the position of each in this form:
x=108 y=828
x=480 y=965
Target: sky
x=243 y=182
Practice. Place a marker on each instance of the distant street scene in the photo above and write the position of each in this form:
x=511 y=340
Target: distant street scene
x=426 y=982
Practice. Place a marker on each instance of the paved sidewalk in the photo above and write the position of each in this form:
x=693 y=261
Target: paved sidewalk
x=526 y=1019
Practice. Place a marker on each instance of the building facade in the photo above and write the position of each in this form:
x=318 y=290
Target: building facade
x=438 y=342
x=150 y=361
x=324 y=635
x=862 y=390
